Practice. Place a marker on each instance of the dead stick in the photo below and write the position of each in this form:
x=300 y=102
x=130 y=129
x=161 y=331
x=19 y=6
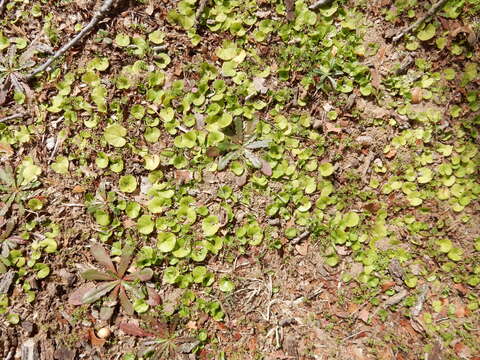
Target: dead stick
x=300 y=237
x=319 y=3
x=199 y=11
x=12 y=117
x=436 y=7
x=99 y=15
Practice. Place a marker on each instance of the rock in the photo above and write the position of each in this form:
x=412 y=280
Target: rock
x=104 y=333
x=30 y=350
x=50 y=143
x=365 y=140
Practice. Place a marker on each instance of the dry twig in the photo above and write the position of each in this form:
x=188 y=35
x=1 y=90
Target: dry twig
x=436 y=7
x=99 y=15
x=12 y=117
x=300 y=237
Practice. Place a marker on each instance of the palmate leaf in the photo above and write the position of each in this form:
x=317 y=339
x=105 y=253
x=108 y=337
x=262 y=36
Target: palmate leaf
x=94 y=274
x=99 y=291
x=102 y=257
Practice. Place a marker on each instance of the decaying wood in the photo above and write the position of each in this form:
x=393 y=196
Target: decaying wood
x=436 y=7
x=99 y=15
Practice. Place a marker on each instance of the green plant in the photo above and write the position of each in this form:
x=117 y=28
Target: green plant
x=114 y=279
x=12 y=68
x=166 y=343
x=17 y=189
x=240 y=146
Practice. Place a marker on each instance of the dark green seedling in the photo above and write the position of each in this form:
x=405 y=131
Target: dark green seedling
x=14 y=189
x=239 y=146
x=115 y=279
x=165 y=342
x=13 y=67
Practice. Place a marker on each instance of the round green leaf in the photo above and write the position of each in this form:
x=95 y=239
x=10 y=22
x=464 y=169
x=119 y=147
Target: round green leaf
x=127 y=183
x=166 y=241
x=114 y=135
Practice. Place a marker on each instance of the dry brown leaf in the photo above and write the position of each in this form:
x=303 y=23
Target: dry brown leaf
x=302 y=248
x=290 y=5
x=363 y=315
x=376 y=78
x=183 y=176
x=460 y=311
x=462 y=350
x=388 y=285
x=94 y=340
x=78 y=189
x=213 y=151
x=266 y=169
x=192 y=325
x=154 y=298
x=6 y=149
x=241 y=180
x=330 y=127
x=391 y=154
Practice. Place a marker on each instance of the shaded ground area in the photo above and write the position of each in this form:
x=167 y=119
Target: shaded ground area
x=240 y=180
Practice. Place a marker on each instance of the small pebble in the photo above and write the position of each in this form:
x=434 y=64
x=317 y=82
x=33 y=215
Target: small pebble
x=365 y=140
x=104 y=333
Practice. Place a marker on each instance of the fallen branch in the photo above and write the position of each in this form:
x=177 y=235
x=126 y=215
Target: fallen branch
x=300 y=237
x=12 y=117
x=319 y=3
x=99 y=15
x=436 y=7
